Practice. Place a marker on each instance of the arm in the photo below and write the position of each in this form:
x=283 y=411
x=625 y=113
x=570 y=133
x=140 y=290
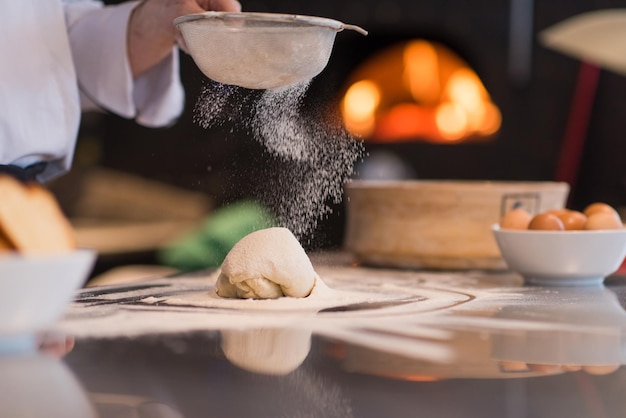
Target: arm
x=125 y=55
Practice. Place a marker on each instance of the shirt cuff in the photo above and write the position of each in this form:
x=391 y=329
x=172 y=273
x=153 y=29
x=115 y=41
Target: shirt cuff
x=99 y=47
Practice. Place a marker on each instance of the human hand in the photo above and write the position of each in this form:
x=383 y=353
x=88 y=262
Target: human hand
x=161 y=13
x=152 y=34
x=55 y=344
x=217 y=5
x=199 y=6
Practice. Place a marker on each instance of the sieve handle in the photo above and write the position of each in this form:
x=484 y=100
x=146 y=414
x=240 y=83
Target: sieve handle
x=354 y=27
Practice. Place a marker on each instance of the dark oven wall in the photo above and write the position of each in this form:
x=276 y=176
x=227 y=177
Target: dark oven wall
x=534 y=109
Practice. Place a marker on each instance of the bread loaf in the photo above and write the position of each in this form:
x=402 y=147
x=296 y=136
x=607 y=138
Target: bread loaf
x=5 y=244
x=31 y=219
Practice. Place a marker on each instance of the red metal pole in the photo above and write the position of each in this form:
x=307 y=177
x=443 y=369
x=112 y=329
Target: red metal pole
x=568 y=166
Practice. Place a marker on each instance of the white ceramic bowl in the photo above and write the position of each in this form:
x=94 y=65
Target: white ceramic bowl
x=36 y=288
x=558 y=258
x=41 y=386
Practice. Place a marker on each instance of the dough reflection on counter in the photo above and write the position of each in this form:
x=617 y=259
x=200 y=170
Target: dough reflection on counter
x=267 y=351
x=267 y=264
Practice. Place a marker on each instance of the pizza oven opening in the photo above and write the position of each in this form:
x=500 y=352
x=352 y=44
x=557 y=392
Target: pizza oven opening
x=418 y=90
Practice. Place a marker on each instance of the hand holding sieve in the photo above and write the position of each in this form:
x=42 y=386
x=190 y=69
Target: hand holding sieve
x=260 y=50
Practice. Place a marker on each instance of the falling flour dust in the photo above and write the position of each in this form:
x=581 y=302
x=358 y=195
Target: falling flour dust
x=316 y=153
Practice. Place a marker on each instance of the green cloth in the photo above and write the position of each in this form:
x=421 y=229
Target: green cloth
x=218 y=233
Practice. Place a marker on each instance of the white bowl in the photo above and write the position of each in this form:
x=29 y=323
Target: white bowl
x=41 y=386
x=36 y=288
x=562 y=257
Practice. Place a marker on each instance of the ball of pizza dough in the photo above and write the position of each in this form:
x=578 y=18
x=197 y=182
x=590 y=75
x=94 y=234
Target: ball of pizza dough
x=266 y=264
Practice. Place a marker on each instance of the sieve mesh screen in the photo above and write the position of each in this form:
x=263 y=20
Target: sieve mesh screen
x=259 y=51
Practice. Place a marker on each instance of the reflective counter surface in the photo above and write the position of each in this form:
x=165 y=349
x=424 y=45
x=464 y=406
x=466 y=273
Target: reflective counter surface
x=395 y=344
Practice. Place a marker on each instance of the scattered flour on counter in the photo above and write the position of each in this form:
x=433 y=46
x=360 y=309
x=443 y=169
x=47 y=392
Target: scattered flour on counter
x=322 y=297
x=315 y=154
x=190 y=302
x=151 y=300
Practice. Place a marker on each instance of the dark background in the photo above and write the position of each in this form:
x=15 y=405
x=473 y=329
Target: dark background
x=534 y=108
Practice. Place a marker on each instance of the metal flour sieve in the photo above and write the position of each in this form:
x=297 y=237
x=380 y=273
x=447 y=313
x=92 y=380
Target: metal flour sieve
x=260 y=50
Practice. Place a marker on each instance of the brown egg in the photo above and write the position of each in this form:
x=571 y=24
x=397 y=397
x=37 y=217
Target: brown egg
x=572 y=219
x=513 y=366
x=571 y=367
x=558 y=212
x=544 y=368
x=598 y=207
x=603 y=220
x=546 y=221
x=601 y=369
x=515 y=219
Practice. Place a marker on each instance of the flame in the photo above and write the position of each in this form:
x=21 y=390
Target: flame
x=421 y=65
x=405 y=121
x=452 y=121
x=419 y=90
x=359 y=107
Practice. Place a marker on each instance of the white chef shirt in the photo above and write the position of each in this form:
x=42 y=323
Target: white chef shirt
x=59 y=55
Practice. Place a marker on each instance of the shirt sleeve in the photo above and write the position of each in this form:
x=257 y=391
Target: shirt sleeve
x=98 y=41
